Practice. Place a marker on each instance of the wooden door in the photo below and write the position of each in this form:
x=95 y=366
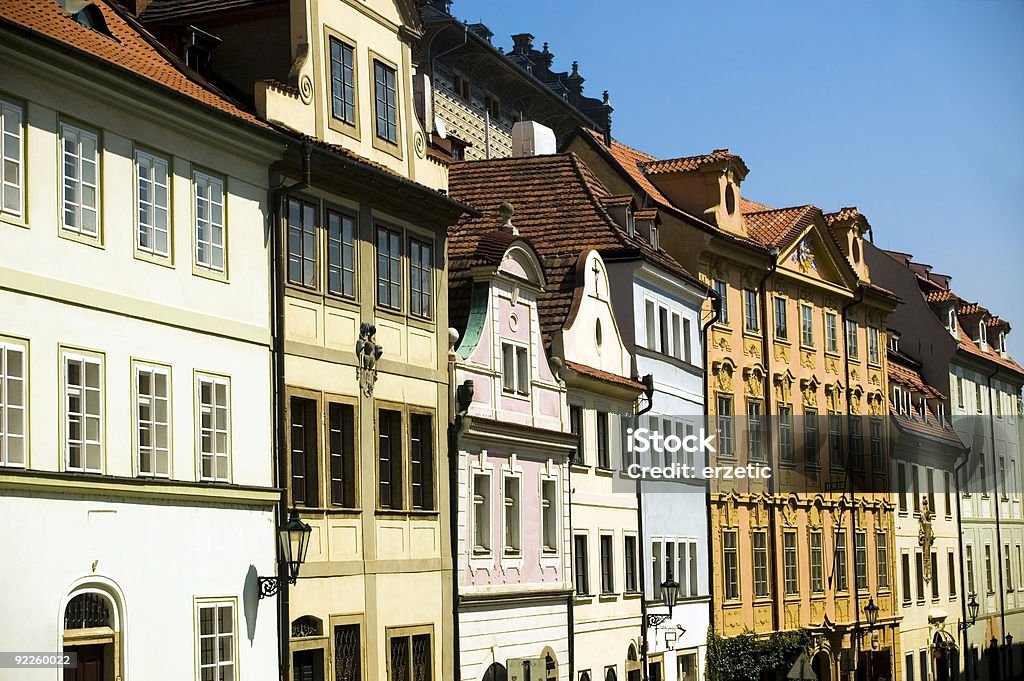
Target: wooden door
x=90 y=664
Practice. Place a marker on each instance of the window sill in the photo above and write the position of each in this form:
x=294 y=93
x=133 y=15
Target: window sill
x=94 y=241
x=605 y=472
x=404 y=512
x=583 y=598
x=333 y=510
x=211 y=274
x=579 y=467
x=154 y=259
x=17 y=221
x=608 y=597
x=632 y=594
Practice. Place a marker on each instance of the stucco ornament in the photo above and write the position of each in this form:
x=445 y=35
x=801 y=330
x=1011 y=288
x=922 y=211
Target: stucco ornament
x=784 y=387
x=753 y=377
x=809 y=388
x=925 y=537
x=723 y=372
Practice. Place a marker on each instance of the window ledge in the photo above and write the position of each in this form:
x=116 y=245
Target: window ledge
x=580 y=467
x=16 y=220
x=208 y=273
x=608 y=597
x=632 y=594
x=605 y=472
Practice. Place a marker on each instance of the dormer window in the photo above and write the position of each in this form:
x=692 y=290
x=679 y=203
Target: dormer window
x=654 y=237
x=630 y=222
x=894 y=342
x=951 y=321
x=982 y=333
x=1001 y=343
x=730 y=198
x=897 y=397
x=515 y=369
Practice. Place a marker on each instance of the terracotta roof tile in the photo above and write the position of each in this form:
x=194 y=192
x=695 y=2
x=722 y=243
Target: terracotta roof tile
x=605 y=376
x=780 y=226
x=646 y=214
x=690 y=163
x=558 y=210
x=161 y=10
x=940 y=296
x=132 y=50
x=751 y=206
x=968 y=309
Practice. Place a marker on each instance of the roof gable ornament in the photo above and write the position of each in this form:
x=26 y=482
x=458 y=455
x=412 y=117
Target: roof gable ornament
x=505 y=210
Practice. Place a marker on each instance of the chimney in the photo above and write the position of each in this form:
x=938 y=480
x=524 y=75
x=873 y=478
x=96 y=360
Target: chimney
x=530 y=138
x=522 y=43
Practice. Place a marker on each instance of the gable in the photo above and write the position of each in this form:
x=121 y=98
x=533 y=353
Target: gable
x=814 y=255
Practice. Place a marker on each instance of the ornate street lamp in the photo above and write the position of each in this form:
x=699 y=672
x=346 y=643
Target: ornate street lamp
x=294 y=539
x=871 y=612
x=669 y=596
x=972 y=612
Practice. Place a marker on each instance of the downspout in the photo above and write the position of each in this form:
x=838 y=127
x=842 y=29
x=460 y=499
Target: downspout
x=716 y=309
x=571 y=597
x=453 y=526
x=277 y=361
x=649 y=391
x=773 y=561
x=849 y=464
x=995 y=492
x=963 y=580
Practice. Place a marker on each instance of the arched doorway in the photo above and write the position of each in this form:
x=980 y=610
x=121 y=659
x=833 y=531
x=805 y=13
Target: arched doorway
x=821 y=665
x=633 y=667
x=945 y=656
x=92 y=631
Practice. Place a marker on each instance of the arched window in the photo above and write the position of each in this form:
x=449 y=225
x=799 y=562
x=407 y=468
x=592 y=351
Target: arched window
x=91 y=629
x=610 y=675
x=496 y=672
x=584 y=676
x=87 y=611
x=306 y=626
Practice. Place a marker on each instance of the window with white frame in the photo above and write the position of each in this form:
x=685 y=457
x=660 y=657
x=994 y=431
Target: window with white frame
x=851 y=339
x=731 y=564
x=421 y=283
x=951 y=574
x=153 y=420
x=969 y=563
x=882 y=559
x=786 y=432
x=840 y=562
x=1007 y=567
x=603 y=441
x=209 y=207
x=153 y=203
x=216 y=645
x=80 y=180
x=481 y=513
x=722 y=289
x=302 y=247
x=341 y=254
x=512 y=515
x=781 y=319
x=581 y=567
x=13 y=405
x=630 y=557
x=549 y=515
x=386 y=102
x=789 y=555
x=607 y=563
x=693 y=568
x=213 y=432
x=989 y=582
x=860 y=559
x=760 y=541
x=12 y=183
x=389 y=268
x=83 y=412
x=650 y=340
x=515 y=369
x=874 y=346
x=807 y=326
x=831 y=333
x=817 y=572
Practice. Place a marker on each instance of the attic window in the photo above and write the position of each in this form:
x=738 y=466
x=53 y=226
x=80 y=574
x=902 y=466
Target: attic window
x=87 y=14
x=982 y=332
x=730 y=199
x=951 y=320
x=654 y=237
x=630 y=222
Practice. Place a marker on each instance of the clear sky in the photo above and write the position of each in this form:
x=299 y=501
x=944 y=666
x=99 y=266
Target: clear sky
x=912 y=111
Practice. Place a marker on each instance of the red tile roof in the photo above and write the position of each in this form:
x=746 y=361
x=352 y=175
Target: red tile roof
x=779 y=227
x=606 y=376
x=558 y=211
x=690 y=163
x=940 y=296
x=928 y=424
x=132 y=50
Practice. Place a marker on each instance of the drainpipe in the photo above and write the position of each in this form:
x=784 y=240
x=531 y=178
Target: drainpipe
x=453 y=528
x=849 y=461
x=773 y=522
x=277 y=361
x=995 y=493
x=569 y=600
x=963 y=580
x=648 y=381
x=716 y=308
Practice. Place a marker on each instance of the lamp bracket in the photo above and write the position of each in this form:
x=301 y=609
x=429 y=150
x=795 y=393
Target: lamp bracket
x=269 y=586
x=656 y=620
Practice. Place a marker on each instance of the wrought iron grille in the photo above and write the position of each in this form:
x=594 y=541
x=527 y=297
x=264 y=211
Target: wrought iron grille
x=86 y=611
x=400 y=658
x=307 y=626
x=346 y=653
x=421 y=662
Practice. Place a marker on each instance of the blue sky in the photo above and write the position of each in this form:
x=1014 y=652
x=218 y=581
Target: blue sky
x=912 y=111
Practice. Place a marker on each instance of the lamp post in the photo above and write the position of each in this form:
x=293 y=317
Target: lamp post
x=669 y=595
x=972 y=611
x=294 y=542
x=871 y=615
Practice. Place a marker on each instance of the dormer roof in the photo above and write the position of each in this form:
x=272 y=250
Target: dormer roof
x=686 y=164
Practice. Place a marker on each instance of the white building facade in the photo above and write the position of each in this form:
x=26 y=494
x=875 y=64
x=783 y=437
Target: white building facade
x=136 y=478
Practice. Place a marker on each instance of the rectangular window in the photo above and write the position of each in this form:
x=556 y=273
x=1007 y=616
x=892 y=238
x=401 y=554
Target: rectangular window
x=83 y=413
x=217 y=641
x=915 y=486
x=663 y=335
x=751 y=313
x=629 y=553
x=13 y=405
x=970 y=569
x=806 y=326
x=302 y=261
x=835 y=440
x=935 y=576
x=658 y=565
x=856 y=443
x=1007 y=568
x=722 y=289
x=929 y=477
x=951 y=573
x=781 y=331
x=209 y=199
x=410 y=657
x=80 y=179
x=153 y=203
x=343 y=82
x=652 y=324
x=786 y=433
x=811 y=436
x=603 y=456
x=389 y=459
x=342 y=445
x=860 y=559
x=389 y=268
x=421 y=284
x=576 y=428
x=214 y=435
x=908 y=595
x=607 y=564
x=341 y=254
x=755 y=434
x=725 y=425
x=387 y=102
x=817 y=572
x=919 y=572
x=874 y=346
x=153 y=420
x=515 y=369
x=831 y=333
x=481 y=513
x=909 y=667
x=579 y=544
x=877 y=453
x=790 y=563
x=512 y=515
x=851 y=339
x=677 y=350
x=693 y=568
x=460 y=84
x=731 y=565
x=841 y=564
x=549 y=515
x=348 y=655
x=421 y=461
x=882 y=559
x=493 y=106
x=760 y=540
x=901 y=482
x=12 y=184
